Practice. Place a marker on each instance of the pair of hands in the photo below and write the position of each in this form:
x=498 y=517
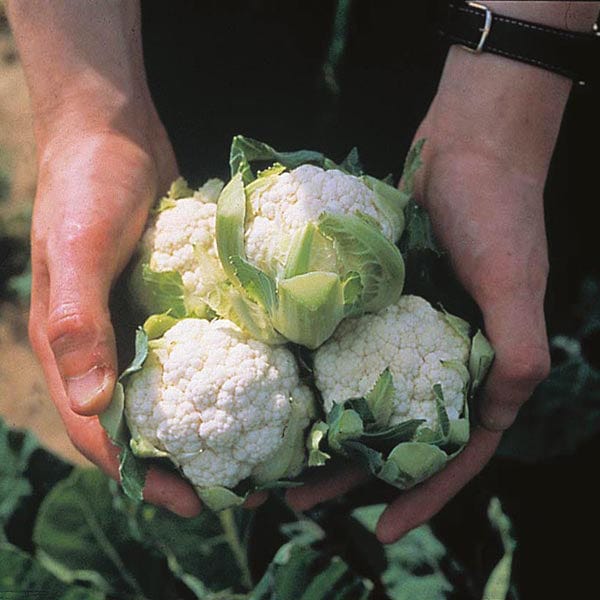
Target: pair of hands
x=485 y=165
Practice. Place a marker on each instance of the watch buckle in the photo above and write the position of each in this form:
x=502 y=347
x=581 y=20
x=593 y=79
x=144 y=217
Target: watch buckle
x=485 y=30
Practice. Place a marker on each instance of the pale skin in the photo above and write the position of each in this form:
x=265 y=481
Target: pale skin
x=104 y=156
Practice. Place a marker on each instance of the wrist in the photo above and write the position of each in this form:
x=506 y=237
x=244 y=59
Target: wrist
x=84 y=108
x=502 y=108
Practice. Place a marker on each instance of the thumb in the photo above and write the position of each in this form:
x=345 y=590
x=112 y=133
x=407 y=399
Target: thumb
x=80 y=333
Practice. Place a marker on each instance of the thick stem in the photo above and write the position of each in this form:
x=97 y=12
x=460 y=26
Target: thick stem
x=227 y=519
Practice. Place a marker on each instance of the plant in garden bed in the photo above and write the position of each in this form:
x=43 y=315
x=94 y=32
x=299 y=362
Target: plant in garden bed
x=89 y=541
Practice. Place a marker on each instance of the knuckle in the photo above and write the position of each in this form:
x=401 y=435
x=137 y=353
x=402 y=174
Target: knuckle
x=528 y=365
x=68 y=327
x=77 y=237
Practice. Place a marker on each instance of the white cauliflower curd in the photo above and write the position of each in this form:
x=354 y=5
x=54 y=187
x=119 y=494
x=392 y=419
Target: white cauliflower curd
x=281 y=205
x=418 y=344
x=222 y=406
x=180 y=240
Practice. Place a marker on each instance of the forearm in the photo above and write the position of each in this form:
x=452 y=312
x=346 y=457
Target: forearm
x=83 y=62
x=503 y=108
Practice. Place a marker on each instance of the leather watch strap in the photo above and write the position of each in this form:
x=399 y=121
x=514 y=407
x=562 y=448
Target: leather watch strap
x=572 y=54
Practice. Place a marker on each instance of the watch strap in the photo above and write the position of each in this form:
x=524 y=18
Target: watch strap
x=475 y=27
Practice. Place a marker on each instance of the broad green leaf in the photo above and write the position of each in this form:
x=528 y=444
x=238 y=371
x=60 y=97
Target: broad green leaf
x=259 y=287
x=198 y=550
x=391 y=436
x=499 y=583
x=418 y=233
x=83 y=538
x=16 y=449
x=321 y=586
x=162 y=292
x=351 y=164
x=310 y=251
x=369 y=458
x=460 y=326
x=300 y=572
x=229 y=224
x=480 y=359
x=412 y=164
x=131 y=470
x=141 y=353
x=245 y=150
x=311 y=306
x=290 y=458
x=361 y=406
x=362 y=248
x=288 y=575
x=343 y=425
x=232 y=303
x=459 y=432
x=413 y=569
x=442 y=415
x=410 y=463
x=390 y=200
x=22 y=577
x=380 y=398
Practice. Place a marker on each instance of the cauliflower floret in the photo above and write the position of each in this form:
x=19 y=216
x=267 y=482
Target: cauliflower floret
x=410 y=338
x=282 y=205
x=218 y=402
x=182 y=238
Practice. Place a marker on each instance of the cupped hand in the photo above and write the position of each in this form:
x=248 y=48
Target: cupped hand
x=485 y=163
x=94 y=192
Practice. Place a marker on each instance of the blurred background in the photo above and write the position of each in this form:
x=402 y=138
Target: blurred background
x=330 y=75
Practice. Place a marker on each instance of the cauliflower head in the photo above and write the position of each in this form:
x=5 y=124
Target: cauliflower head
x=222 y=406
x=419 y=345
x=280 y=206
x=179 y=242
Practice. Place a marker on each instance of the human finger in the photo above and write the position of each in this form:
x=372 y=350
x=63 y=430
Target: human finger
x=327 y=483
x=417 y=505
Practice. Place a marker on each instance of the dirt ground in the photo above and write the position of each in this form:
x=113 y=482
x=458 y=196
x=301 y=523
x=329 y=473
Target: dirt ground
x=24 y=401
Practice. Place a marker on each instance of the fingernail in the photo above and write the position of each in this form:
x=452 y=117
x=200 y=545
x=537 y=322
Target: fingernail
x=82 y=390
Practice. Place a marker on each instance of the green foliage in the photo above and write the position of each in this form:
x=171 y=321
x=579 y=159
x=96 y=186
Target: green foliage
x=406 y=558
x=90 y=542
x=132 y=472
x=15 y=267
x=16 y=450
x=498 y=585
x=22 y=577
x=299 y=571
x=86 y=531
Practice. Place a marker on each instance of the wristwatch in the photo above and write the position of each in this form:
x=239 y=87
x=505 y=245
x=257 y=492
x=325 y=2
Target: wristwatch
x=476 y=28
